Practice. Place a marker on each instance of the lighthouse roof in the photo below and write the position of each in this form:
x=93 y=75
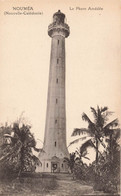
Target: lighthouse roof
x=59 y=13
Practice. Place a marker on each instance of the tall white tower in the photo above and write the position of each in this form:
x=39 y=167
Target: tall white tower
x=55 y=148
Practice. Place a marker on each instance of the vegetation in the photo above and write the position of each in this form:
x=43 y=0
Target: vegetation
x=16 y=154
x=71 y=161
x=108 y=170
x=29 y=185
x=17 y=144
x=99 y=127
x=104 y=171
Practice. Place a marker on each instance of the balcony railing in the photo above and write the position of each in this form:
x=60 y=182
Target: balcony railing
x=63 y=26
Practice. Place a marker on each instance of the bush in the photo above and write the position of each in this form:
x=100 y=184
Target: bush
x=108 y=176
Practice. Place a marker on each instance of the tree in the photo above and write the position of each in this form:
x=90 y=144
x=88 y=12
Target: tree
x=105 y=170
x=18 y=156
x=109 y=169
x=75 y=162
x=70 y=161
x=84 y=139
x=97 y=130
x=107 y=164
x=99 y=127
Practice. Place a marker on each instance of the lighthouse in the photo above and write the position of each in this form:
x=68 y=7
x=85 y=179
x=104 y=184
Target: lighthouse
x=54 y=147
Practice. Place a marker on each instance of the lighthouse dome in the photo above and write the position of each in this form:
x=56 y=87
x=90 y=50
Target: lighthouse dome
x=58 y=17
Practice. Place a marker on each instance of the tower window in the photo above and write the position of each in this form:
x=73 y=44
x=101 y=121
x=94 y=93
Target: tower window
x=55 y=121
x=62 y=165
x=47 y=164
x=55 y=144
x=57 y=80
x=56 y=100
x=57 y=61
x=58 y=42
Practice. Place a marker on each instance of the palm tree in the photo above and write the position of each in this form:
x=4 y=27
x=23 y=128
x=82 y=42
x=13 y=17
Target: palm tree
x=107 y=163
x=97 y=130
x=70 y=161
x=28 y=161
x=75 y=160
x=18 y=154
x=99 y=127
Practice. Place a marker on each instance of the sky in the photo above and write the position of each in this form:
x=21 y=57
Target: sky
x=92 y=61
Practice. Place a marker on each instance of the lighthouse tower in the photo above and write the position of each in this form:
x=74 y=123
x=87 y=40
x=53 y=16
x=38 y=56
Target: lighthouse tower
x=54 y=148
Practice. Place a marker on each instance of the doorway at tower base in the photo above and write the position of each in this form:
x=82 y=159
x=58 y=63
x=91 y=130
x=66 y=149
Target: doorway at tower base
x=53 y=165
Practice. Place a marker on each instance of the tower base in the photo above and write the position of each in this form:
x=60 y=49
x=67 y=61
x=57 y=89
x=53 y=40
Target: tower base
x=52 y=165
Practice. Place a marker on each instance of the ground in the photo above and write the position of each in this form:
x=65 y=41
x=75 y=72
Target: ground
x=69 y=187
x=48 y=185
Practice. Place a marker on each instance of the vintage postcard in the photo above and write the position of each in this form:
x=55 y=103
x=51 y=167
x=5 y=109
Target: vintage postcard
x=60 y=80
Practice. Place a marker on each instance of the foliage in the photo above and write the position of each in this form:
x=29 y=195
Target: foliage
x=30 y=184
x=70 y=161
x=104 y=171
x=108 y=170
x=80 y=168
x=99 y=127
x=76 y=164
x=17 y=156
x=81 y=131
x=80 y=171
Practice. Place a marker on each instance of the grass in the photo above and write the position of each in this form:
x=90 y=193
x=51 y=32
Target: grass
x=30 y=185
x=45 y=184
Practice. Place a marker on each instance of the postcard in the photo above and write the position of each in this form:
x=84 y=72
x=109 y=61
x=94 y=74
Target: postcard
x=60 y=97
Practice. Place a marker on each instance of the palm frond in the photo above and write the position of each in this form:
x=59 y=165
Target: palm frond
x=80 y=131
x=93 y=145
x=87 y=144
x=77 y=140
x=36 y=160
x=91 y=125
x=112 y=124
x=93 y=128
x=86 y=118
x=66 y=159
x=94 y=112
x=11 y=151
x=38 y=149
x=100 y=118
x=103 y=109
x=86 y=158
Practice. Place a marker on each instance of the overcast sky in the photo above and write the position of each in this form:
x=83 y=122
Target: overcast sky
x=92 y=61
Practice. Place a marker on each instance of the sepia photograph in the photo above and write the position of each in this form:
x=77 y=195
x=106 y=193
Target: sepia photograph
x=60 y=83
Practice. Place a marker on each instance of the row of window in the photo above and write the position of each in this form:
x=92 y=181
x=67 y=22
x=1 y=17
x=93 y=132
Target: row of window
x=57 y=83
x=58 y=59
